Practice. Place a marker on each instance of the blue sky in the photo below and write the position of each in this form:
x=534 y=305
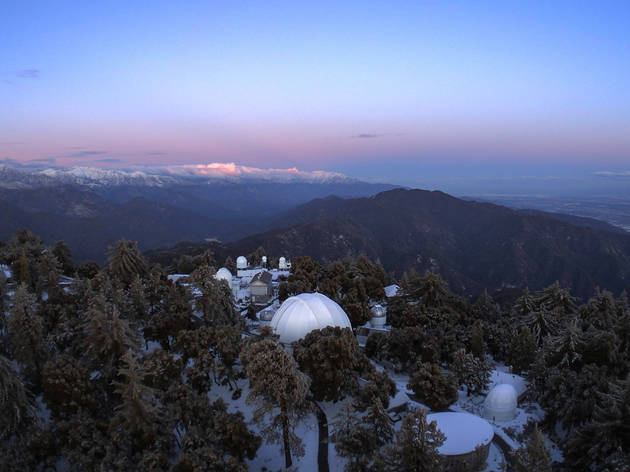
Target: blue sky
x=401 y=91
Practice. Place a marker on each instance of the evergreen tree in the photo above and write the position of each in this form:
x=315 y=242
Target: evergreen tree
x=137 y=415
x=279 y=390
x=534 y=456
x=416 y=446
x=471 y=371
x=432 y=387
x=521 y=352
x=107 y=337
x=126 y=262
x=16 y=403
x=333 y=360
x=26 y=334
x=64 y=255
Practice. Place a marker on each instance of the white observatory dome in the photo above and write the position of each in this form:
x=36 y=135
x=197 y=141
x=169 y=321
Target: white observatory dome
x=241 y=262
x=282 y=263
x=500 y=404
x=264 y=259
x=224 y=274
x=379 y=316
x=301 y=314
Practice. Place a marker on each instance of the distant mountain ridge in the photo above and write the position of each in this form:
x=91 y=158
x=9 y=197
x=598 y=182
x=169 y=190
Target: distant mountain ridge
x=160 y=176
x=472 y=245
x=92 y=208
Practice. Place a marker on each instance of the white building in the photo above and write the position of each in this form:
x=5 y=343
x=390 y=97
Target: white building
x=301 y=314
x=224 y=274
x=467 y=442
x=501 y=403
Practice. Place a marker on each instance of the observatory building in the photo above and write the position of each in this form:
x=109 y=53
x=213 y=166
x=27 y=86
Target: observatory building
x=467 y=442
x=301 y=314
x=241 y=265
x=261 y=288
x=224 y=274
x=500 y=404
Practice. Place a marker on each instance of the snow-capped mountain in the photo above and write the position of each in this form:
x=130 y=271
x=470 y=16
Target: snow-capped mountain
x=160 y=176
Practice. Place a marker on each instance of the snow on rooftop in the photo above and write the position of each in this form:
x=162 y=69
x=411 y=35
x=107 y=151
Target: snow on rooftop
x=391 y=290
x=464 y=432
x=7 y=271
x=497 y=377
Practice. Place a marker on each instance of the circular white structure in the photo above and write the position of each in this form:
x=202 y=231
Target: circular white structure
x=264 y=260
x=282 y=263
x=241 y=262
x=500 y=404
x=224 y=274
x=464 y=432
x=301 y=314
x=379 y=316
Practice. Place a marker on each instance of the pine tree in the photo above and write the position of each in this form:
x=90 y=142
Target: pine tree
x=534 y=456
x=138 y=414
x=16 y=403
x=126 y=262
x=26 y=334
x=432 y=387
x=64 y=255
x=471 y=371
x=416 y=446
x=521 y=352
x=279 y=390
x=333 y=360
x=107 y=336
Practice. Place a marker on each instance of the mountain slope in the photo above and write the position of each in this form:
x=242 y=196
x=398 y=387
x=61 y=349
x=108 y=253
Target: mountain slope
x=473 y=245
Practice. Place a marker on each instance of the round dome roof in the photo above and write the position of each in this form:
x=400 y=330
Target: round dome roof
x=224 y=274
x=241 y=262
x=301 y=314
x=464 y=432
x=282 y=259
x=378 y=311
x=500 y=404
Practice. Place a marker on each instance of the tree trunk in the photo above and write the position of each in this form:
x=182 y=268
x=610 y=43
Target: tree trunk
x=285 y=434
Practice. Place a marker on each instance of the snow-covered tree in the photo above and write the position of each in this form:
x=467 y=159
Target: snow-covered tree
x=471 y=371
x=416 y=446
x=279 y=390
x=331 y=357
x=126 y=262
x=434 y=388
x=534 y=456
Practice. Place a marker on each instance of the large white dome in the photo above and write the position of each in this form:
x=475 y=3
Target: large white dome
x=241 y=262
x=224 y=274
x=301 y=314
x=500 y=404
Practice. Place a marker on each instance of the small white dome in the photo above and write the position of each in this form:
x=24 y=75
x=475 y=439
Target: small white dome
x=500 y=404
x=241 y=262
x=378 y=316
x=224 y=274
x=264 y=259
x=282 y=263
x=301 y=314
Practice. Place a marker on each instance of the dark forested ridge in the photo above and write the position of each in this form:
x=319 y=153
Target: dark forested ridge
x=472 y=245
x=91 y=217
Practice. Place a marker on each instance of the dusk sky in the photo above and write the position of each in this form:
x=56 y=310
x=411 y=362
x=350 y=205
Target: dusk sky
x=403 y=92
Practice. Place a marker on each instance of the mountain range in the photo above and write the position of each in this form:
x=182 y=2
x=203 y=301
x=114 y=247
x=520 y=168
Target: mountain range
x=473 y=245
x=91 y=208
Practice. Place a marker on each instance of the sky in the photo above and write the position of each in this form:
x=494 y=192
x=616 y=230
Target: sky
x=415 y=93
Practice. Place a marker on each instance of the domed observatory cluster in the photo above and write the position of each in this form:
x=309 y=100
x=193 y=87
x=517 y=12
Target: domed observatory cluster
x=301 y=314
x=500 y=404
